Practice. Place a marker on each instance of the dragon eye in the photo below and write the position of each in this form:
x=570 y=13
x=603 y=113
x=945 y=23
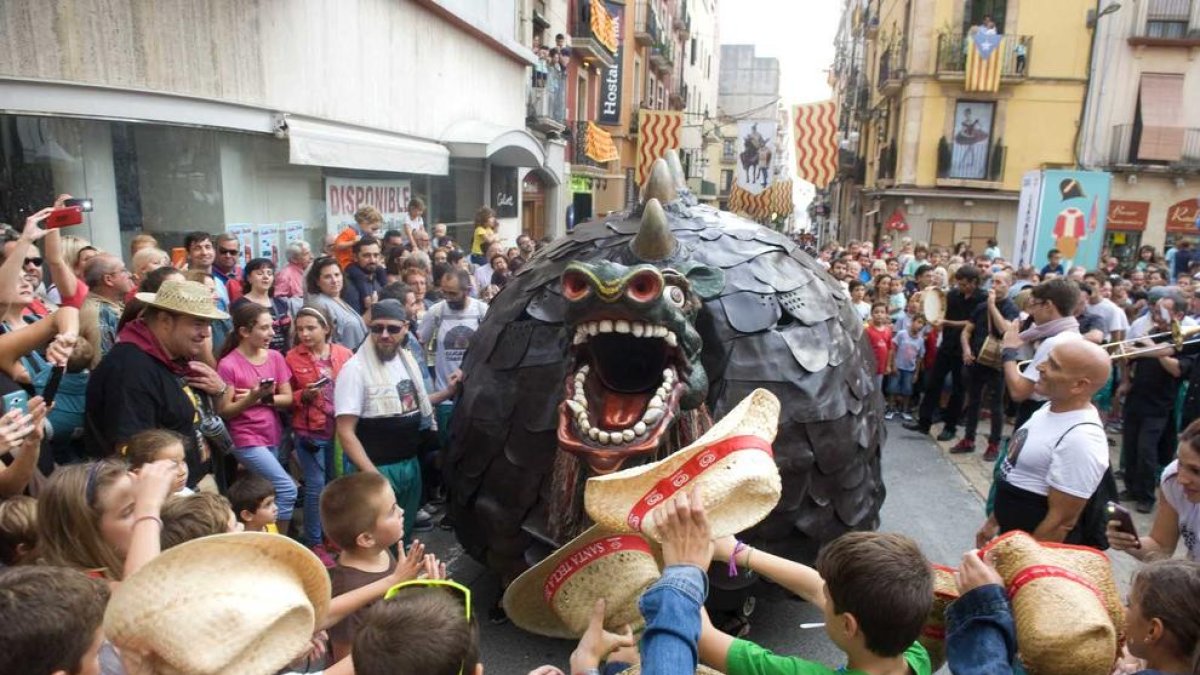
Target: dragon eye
x=644 y=287
x=675 y=296
x=575 y=286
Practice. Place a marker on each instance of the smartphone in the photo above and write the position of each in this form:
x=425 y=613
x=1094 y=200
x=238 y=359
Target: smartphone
x=84 y=203
x=1124 y=519
x=320 y=383
x=16 y=400
x=267 y=383
x=64 y=217
x=51 y=389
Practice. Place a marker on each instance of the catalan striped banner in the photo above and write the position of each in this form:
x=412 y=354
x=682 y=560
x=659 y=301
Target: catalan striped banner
x=985 y=60
x=599 y=144
x=815 y=128
x=776 y=200
x=604 y=29
x=658 y=131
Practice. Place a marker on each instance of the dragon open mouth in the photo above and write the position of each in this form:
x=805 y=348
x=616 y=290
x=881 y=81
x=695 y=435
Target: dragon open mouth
x=623 y=393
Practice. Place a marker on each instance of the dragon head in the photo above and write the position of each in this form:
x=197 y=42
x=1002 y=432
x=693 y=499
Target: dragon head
x=636 y=352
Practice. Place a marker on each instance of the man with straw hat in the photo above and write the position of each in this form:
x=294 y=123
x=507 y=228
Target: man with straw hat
x=153 y=377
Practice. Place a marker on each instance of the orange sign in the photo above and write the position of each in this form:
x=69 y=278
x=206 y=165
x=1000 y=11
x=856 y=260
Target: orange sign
x=1181 y=216
x=1125 y=215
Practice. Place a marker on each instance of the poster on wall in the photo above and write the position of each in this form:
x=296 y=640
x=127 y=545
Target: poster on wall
x=610 y=88
x=343 y=196
x=293 y=230
x=504 y=191
x=268 y=242
x=245 y=236
x=1027 y=218
x=1072 y=217
x=971 y=140
x=756 y=149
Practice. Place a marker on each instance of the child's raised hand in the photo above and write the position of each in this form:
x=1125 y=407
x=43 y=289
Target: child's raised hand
x=975 y=572
x=597 y=643
x=408 y=567
x=683 y=527
x=433 y=568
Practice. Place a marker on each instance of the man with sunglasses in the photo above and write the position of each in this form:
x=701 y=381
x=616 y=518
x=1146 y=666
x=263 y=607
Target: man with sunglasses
x=225 y=267
x=381 y=398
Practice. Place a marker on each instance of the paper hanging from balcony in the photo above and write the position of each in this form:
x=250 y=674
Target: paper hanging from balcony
x=658 y=131
x=599 y=144
x=604 y=29
x=816 y=142
x=985 y=60
x=775 y=201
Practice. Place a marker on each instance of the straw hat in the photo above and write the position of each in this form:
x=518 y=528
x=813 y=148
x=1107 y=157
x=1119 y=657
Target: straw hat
x=184 y=297
x=1065 y=604
x=556 y=596
x=636 y=669
x=732 y=462
x=246 y=603
x=933 y=633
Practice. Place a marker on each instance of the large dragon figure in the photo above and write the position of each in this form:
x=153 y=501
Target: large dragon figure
x=620 y=342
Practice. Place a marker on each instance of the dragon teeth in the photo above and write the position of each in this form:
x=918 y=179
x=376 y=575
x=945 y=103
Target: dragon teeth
x=638 y=329
x=622 y=326
x=671 y=340
x=639 y=428
x=652 y=416
x=606 y=326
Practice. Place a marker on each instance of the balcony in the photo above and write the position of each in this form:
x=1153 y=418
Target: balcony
x=1168 y=24
x=683 y=22
x=952 y=57
x=978 y=165
x=647 y=30
x=590 y=145
x=662 y=57
x=1173 y=148
x=891 y=69
x=679 y=97
x=593 y=34
x=885 y=169
x=545 y=106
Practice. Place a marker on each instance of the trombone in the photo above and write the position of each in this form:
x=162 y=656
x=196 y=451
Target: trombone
x=1179 y=336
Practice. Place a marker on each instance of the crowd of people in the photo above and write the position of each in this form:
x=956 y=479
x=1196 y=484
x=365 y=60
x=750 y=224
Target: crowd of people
x=153 y=408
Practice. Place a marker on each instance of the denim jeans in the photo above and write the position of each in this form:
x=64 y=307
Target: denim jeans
x=981 y=638
x=261 y=460
x=315 y=455
x=671 y=607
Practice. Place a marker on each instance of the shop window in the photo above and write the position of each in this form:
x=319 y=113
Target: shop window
x=947 y=233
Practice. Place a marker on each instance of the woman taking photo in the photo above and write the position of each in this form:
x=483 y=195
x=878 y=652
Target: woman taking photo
x=1178 y=512
x=324 y=281
x=259 y=385
x=315 y=363
x=259 y=278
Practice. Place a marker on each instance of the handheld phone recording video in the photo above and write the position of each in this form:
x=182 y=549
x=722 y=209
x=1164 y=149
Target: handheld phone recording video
x=84 y=203
x=64 y=217
x=51 y=389
x=16 y=400
x=1124 y=520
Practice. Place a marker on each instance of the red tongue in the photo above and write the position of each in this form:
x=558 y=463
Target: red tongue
x=621 y=411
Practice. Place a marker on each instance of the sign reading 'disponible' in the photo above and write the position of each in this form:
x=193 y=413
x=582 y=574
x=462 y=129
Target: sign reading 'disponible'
x=610 y=103
x=343 y=196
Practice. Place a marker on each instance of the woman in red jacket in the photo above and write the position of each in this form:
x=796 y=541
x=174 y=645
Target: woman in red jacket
x=315 y=363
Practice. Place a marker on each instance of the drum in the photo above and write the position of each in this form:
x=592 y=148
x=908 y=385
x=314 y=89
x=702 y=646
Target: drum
x=933 y=304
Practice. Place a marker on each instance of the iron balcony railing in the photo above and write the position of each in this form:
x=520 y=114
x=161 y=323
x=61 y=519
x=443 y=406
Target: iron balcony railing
x=647 y=30
x=579 y=155
x=981 y=161
x=1126 y=144
x=891 y=67
x=1015 y=54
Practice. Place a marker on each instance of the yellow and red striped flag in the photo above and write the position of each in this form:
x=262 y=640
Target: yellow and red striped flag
x=985 y=60
x=658 y=131
x=815 y=127
x=598 y=144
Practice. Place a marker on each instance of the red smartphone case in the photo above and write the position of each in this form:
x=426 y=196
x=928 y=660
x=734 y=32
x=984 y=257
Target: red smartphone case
x=64 y=217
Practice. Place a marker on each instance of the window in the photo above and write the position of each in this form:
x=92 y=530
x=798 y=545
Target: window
x=971 y=139
x=1158 y=129
x=1168 y=19
x=728 y=149
x=693 y=51
x=637 y=83
x=726 y=181
x=978 y=9
x=947 y=233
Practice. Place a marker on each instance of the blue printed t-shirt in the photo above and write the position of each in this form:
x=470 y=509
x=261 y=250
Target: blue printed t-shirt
x=747 y=658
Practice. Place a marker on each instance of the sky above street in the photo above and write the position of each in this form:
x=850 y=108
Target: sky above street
x=799 y=33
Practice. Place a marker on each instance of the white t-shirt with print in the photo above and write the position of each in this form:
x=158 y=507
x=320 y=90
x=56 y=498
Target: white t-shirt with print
x=452 y=330
x=1041 y=354
x=1189 y=512
x=1037 y=461
x=354 y=394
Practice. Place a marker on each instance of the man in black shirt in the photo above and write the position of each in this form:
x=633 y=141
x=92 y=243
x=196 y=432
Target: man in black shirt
x=152 y=378
x=961 y=301
x=991 y=317
x=1150 y=387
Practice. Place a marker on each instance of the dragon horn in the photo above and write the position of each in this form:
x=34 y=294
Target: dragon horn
x=654 y=240
x=659 y=184
x=676 y=167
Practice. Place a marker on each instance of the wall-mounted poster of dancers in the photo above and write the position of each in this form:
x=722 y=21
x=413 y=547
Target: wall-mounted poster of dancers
x=756 y=148
x=972 y=138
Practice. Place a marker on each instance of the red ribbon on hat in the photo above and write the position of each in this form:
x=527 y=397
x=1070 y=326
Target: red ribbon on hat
x=588 y=554
x=1046 y=571
x=690 y=471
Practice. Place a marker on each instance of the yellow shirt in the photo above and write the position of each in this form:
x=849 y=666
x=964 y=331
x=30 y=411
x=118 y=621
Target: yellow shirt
x=480 y=239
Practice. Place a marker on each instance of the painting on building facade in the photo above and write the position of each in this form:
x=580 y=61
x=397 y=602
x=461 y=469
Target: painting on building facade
x=971 y=139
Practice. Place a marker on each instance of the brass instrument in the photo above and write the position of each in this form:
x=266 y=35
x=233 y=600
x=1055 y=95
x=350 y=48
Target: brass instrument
x=1180 y=335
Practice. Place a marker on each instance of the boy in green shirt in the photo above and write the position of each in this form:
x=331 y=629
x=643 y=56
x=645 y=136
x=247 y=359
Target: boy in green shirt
x=875 y=590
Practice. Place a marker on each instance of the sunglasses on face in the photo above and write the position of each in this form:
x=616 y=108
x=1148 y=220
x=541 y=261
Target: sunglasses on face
x=391 y=329
x=226 y=251
x=33 y=261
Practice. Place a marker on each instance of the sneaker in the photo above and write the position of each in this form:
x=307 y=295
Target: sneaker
x=889 y=415
x=963 y=447
x=423 y=521
x=907 y=417
x=992 y=452
x=1145 y=506
x=946 y=435
x=326 y=559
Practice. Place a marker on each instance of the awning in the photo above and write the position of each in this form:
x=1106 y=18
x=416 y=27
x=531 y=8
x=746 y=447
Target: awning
x=320 y=143
x=1161 y=105
x=502 y=146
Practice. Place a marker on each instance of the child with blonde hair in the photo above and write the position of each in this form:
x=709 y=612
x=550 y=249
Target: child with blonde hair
x=18 y=530
x=160 y=445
